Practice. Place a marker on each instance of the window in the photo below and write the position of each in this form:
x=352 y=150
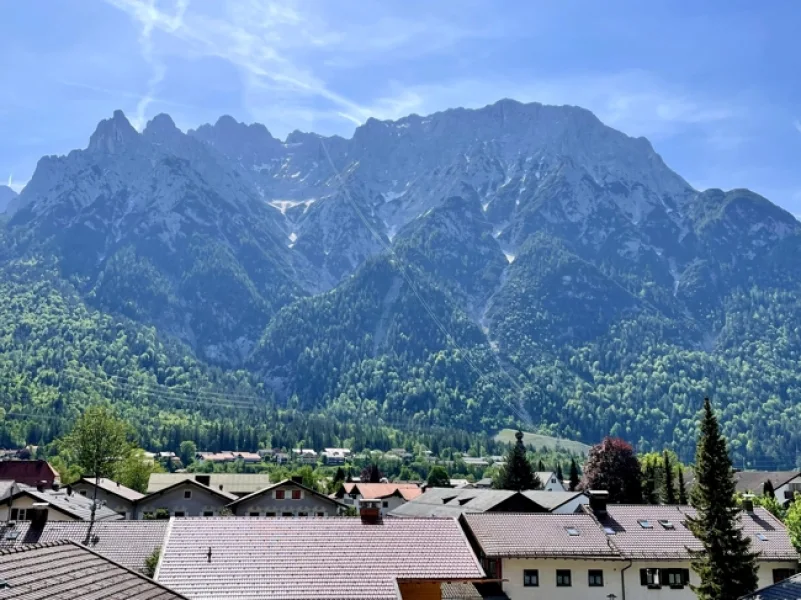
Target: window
x=208 y=513
x=492 y=567
x=595 y=578
x=645 y=524
x=531 y=578
x=563 y=578
x=762 y=537
x=187 y=494
x=572 y=531
x=82 y=492
x=781 y=574
x=179 y=513
x=296 y=494
x=675 y=578
x=649 y=577
x=269 y=514
x=287 y=514
x=385 y=504
x=255 y=513
x=303 y=514
x=280 y=494
x=320 y=514
x=18 y=514
x=666 y=524
x=609 y=531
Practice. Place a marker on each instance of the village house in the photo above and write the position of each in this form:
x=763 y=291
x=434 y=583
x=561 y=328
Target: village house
x=391 y=495
x=786 y=484
x=550 y=482
x=288 y=498
x=306 y=456
x=238 y=484
x=559 y=502
x=66 y=569
x=111 y=493
x=335 y=456
x=227 y=456
x=186 y=498
x=55 y=503
x=366 y=558
x=28 y=472
x=448 y=502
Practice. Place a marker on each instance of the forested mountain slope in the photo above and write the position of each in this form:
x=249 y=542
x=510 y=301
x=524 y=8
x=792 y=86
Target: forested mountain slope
x=519 y=264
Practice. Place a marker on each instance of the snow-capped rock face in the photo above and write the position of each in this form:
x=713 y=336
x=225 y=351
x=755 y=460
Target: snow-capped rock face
x=7 y=196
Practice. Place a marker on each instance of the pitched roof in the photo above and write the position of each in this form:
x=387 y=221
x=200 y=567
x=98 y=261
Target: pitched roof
x=535 y=535
x=448 y=502
x=376 y=491
x=789 y=589
x=194 y=483
x=311 y=558
x=232 y=483
x=7 y=488
x=127 y=542
x=656 y=541
x=68 y=571
x=285 y=482
x=553 y=500
x=752 y=481
x=28 y=472
x=473 y=591
x=113 y=487
x=74 y=505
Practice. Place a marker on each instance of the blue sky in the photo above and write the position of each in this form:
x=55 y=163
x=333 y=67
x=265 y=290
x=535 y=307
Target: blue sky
x=714 y=85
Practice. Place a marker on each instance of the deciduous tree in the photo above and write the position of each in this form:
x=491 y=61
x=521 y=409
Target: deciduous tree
x=438 y=477
x=613 y=466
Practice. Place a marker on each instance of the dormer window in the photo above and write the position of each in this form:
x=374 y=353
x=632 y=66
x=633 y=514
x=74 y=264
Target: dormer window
x=645 y=524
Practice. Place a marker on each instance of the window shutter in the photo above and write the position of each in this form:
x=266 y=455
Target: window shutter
x=686 y=576
x=643 y=576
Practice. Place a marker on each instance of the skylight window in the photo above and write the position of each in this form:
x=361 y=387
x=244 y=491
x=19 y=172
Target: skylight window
x=609 y=531
x=572 y=531
x=666 y=524
x=645 y=524
x=762 y=537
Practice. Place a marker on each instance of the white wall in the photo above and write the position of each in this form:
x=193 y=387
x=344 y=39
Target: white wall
x=579 y=590
x=572 y=506
x=28 y=502
x=115 y=503
x=174 y=501
x=794 y=483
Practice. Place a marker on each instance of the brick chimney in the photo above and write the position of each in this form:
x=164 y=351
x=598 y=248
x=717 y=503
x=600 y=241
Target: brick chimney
x=598 y=501
x=40 y=487
x=297 y=479
x=370 y=511
x=748 y=503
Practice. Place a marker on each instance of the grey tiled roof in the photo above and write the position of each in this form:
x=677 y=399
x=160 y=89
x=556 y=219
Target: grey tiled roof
x=553 y=500
x=68 y=571
x=752 y=481
x=789 y=589
x=127 y=542
x=113 y=487
x=657 y=542
x=448 y=502
x=75 y=505
x=232 y=483
x=192 y=482
x=287 y=483
x=473 y=591
x=310 y=558
x=538 y=535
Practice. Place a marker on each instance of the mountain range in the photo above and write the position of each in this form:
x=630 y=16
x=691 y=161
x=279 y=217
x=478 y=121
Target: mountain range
x=518 y=264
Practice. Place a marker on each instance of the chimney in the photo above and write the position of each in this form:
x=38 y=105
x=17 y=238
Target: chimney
x=56 y=486
x=40 y=487
x=748 y=503
x=297 y=479
x=370 y=512
x=37 y=515
x=69 y=490
x=204 y=479
x=598 y=501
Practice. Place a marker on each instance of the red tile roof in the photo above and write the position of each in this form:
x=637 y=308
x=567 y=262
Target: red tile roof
x=538 y=535
x=658 y=542
x=311 y=558
x=375 y=491
x=27 y=472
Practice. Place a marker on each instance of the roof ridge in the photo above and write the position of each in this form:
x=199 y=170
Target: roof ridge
x=36 y=546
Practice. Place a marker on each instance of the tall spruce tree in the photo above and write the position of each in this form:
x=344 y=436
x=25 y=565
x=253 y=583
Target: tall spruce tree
x=669 y=485
x=682 y=487
x=573 y=477
x=767 y=489
x=649 y=486
x=517 y=474
x=726 y=565
x=559 y=474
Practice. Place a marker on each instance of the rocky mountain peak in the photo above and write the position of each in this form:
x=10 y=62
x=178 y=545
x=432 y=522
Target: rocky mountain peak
x=161 y=127
x=7 y=195
x=113 y=135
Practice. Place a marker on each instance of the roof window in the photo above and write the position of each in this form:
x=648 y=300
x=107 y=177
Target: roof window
x=666 y=524
x=572 y=531
x=645 y=524
x=762 y=537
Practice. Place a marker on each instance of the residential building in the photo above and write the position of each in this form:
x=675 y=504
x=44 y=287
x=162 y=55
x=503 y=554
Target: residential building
x=559 y=502
x=304 y=455
x=128 y=543
x=186 y=498
x=66 y=570
x=787 y=589
x=238 y=484
x=228 y=456
x=357 y=558
x=785 y=483
x=656 y=539
x=564 y=557
x=448 y=502
x=115 y=496
x=286 y=498
x=51 y=504
x=549 y=481
x=391 y=495
x=28 y=472
x=335 y=456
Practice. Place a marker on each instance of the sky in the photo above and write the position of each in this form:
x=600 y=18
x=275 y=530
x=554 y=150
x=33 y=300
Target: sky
x=715 y=85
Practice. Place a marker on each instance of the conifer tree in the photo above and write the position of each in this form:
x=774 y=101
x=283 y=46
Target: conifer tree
x=767 y=489
x=560 y=476
x=517 y=474
x=726 y=565
x=682 y=487
x=669 y=485
x=540 y=466
x=649 y=491
x=573 y=477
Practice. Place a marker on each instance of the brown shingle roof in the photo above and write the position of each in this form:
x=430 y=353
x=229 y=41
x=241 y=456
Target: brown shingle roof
x=68 y=571
x=27 y=472
x=311 y=558
x=658 y=543
x=128 y=543
x=539 y=534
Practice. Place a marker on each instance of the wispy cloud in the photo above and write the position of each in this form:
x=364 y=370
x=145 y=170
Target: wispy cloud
x=797 y=125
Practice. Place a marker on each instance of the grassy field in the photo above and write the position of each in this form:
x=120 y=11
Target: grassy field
x=539 y=441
